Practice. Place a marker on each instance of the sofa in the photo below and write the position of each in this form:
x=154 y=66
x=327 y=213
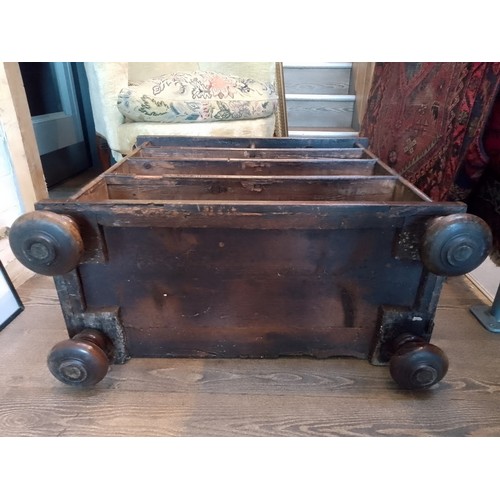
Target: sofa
x=223 y=99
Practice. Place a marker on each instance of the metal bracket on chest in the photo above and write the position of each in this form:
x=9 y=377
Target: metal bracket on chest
x=78 y=317
x=407 y=241
x=108 y=322
x=396 y=321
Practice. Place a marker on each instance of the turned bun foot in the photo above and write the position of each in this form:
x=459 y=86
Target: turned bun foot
x=416 y=364
x=455 y=244
x=46 y=242
x=82 y=360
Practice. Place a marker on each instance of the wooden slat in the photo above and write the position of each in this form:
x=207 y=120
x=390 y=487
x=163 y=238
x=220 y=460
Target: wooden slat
x=94 y=191
x=272 y=189
x=251 y=142
x=404 y=184
x=251 y=214
x=247 y=153
x=168 y=178
x=271 y=166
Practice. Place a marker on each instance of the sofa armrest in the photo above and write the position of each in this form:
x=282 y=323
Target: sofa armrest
x=105 y=82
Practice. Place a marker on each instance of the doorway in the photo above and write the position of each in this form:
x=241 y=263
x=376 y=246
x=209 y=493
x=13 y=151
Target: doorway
x=57 y=99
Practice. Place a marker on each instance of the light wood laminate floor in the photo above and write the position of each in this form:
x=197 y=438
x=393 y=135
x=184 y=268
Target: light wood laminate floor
x=283 y=397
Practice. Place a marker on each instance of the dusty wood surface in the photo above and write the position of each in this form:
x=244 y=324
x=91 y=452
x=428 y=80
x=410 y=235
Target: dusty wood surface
x=184 y=153
x=284 y=397
x=272 y=188
x=268 y=166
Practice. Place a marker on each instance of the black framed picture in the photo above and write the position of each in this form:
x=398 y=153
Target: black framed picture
x=10 y=303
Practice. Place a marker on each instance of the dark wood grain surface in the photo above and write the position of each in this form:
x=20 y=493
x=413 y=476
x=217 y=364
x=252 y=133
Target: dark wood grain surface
x=225 y=397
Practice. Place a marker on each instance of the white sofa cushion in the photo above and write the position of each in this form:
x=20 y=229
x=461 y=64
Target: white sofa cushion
x=199 y=96
x=260 y=127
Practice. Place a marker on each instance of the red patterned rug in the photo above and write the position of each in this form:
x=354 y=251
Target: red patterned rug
x=428 y=122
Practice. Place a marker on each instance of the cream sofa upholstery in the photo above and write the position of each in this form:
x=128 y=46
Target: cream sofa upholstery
x=107 y=79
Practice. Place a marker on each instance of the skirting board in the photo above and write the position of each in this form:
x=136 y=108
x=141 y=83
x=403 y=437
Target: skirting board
x=486 y=278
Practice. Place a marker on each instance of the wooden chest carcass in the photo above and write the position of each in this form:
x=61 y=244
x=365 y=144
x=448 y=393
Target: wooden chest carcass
x=240 y=247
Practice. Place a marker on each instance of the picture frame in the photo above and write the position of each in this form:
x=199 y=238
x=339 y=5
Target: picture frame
x=10 y=302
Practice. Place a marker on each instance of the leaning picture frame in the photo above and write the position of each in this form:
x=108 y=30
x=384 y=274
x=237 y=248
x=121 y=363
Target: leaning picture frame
x=10 y=302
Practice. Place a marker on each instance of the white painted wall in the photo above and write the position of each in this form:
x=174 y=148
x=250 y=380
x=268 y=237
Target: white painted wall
x=487 y=278
x=10 y=209
x=10 y=204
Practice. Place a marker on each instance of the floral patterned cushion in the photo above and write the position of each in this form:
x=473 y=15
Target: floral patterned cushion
x=200 y=96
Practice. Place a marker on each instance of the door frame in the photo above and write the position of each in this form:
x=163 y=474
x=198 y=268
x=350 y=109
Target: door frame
x=20 y=137
x=361 y=81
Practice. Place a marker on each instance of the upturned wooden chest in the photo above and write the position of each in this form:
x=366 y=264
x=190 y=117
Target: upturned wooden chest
x=250 y=248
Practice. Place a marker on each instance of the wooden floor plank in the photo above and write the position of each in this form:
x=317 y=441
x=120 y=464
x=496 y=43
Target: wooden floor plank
x=215 y=397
